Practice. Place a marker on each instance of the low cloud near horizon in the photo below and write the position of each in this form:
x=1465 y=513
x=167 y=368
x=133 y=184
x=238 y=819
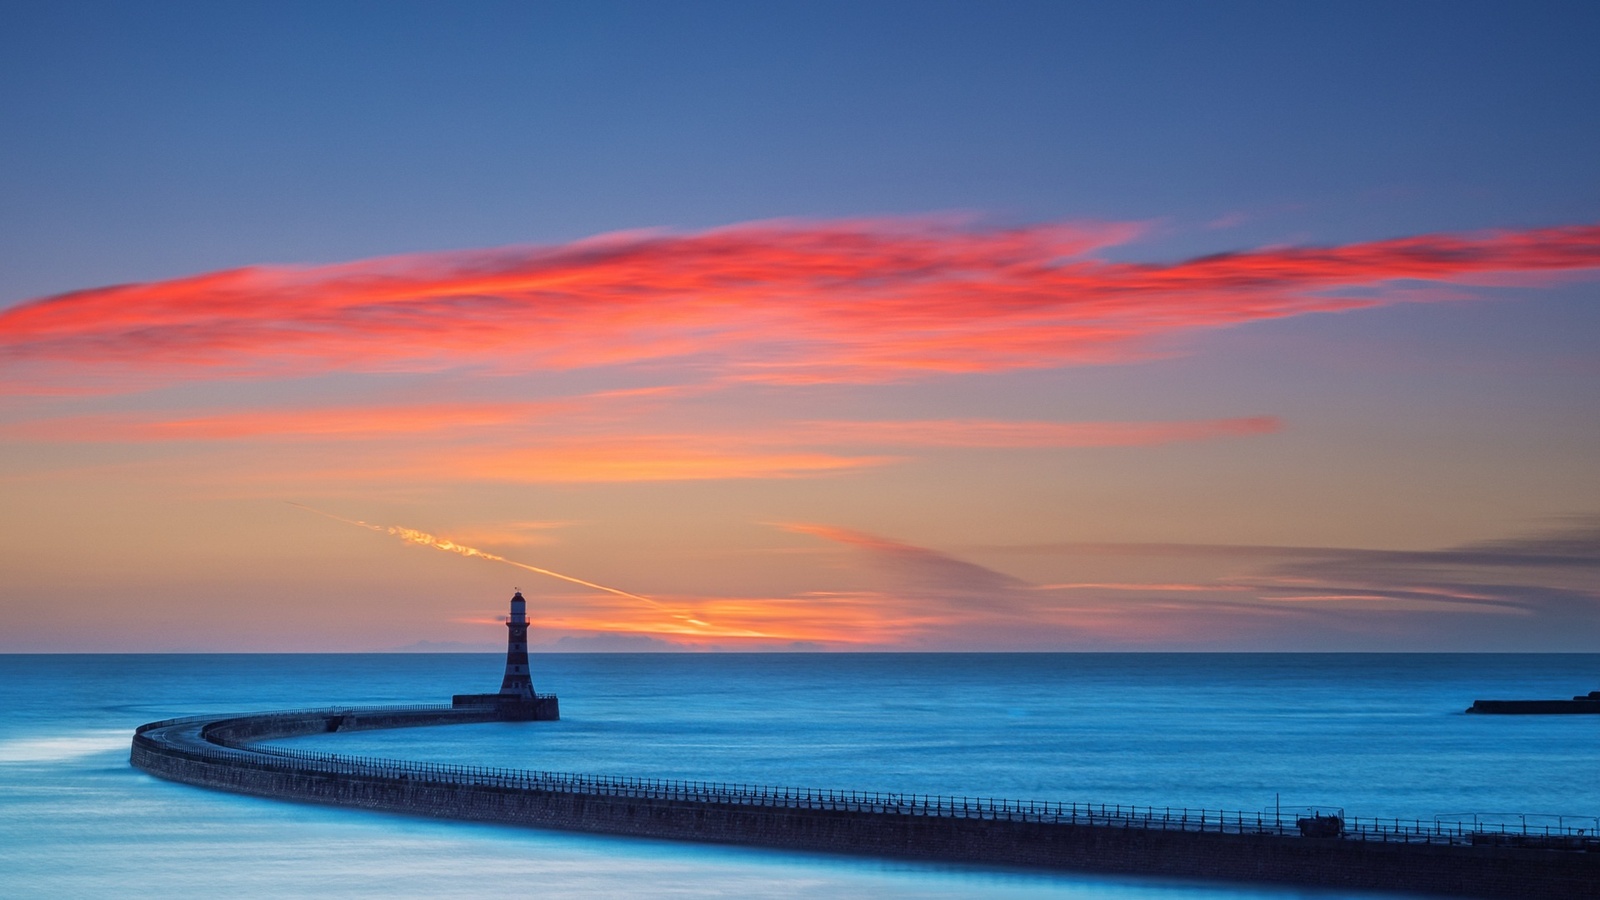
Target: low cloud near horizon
x=1521 y=593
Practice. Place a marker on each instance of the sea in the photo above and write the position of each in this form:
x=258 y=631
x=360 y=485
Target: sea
x=1370 y=734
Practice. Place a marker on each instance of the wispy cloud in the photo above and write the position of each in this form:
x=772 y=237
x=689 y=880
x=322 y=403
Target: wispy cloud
x=901 y=595
x=941 y=601
x=348 y=422
x=645 y=457
x=787 y=302
x=599 y=438
x=1537 y=592
x=1575 y=544
x=1552 y=578
x=1015 y=434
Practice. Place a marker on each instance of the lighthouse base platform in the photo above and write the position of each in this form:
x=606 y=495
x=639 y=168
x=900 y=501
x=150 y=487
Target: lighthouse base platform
x=511 y=707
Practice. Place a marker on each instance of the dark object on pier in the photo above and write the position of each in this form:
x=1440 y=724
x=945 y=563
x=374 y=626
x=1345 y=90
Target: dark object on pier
x=1583 y=703
x=1319 y=826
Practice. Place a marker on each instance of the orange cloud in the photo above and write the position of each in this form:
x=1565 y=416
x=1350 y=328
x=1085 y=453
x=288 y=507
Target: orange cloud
x=370 y=422
x=586 y=440
x=838 y=619
x=648 y=458
x=329 y=423
x=787 y=302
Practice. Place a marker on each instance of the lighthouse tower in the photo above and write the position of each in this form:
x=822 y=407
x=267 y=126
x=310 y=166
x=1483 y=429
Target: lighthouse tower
x=518 y=682
x=516 y=700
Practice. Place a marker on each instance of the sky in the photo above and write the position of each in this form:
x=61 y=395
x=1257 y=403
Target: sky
x=800 y=326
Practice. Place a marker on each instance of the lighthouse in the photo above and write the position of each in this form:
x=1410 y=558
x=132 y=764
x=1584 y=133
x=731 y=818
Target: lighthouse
x=516 y=699
x=518 y=682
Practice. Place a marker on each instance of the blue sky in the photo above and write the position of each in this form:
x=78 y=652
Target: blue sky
x=154 y=139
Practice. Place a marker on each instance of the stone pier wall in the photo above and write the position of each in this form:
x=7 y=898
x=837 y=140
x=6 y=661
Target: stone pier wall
x=191 y=753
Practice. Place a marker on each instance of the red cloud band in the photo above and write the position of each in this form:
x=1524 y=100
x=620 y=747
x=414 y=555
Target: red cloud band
x=856 y=300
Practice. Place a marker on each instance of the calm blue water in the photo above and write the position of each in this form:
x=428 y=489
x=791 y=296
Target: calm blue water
x=1373 y=734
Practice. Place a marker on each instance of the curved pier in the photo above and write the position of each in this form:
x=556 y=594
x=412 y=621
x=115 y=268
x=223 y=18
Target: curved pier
x=222 y=752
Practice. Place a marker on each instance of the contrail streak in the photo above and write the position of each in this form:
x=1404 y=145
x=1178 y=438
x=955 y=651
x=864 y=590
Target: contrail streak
x=413 y=536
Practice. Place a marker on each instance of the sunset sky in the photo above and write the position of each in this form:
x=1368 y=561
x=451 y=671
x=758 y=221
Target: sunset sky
x=776 y=326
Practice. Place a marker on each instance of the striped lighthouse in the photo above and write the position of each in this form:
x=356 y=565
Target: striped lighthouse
x=518 y=682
